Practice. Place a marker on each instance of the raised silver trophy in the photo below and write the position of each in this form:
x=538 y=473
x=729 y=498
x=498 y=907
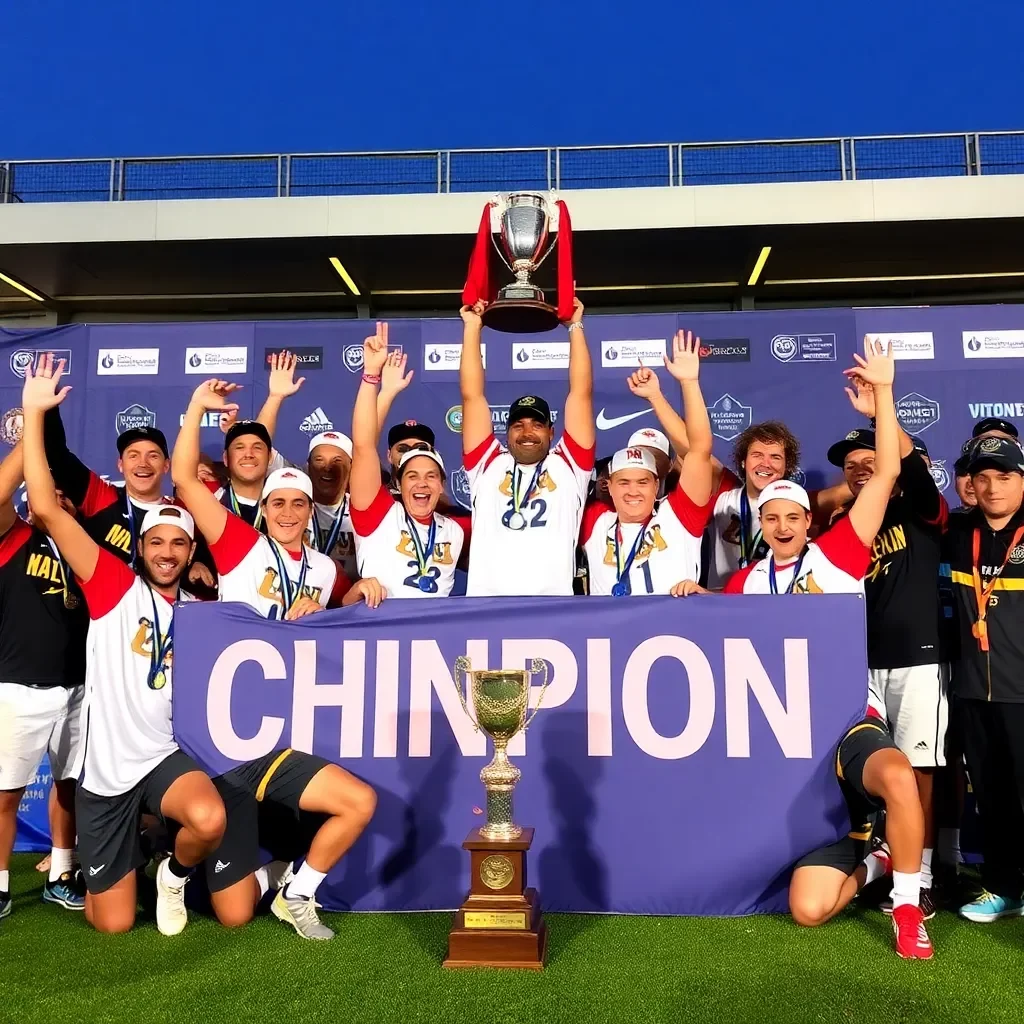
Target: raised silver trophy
x=525 y=243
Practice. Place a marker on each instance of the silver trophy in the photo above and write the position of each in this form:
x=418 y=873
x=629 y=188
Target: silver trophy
x=525 y=228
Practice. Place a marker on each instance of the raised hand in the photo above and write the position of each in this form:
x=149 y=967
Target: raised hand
x=42 y=389
x=577 y=312
x=473 y=314
x=228 y=419
x=213 y=394
x=685 y=362
x=876 y=367
x=862 y=397
x=644 y=383
x=282 y=382
x=393 y=377
x=375 y=350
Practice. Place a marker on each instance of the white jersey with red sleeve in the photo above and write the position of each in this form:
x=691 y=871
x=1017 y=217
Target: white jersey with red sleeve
x=835 y=563
x=724 y=529
x=668 y=553
x=540 y=559
x=126 y=712
x=386 y=550
x=250 y=565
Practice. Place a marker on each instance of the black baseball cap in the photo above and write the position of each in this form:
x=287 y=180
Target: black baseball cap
x=529 y=407
x=410 y=430
x=920 y=447
x=128 y=437
x=994 y=423
x=996 y=453
x=854 y=441
x=243 y=427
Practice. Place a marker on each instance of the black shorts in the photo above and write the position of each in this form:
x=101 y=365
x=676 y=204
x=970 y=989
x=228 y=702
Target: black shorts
x=261 y=798
x=109 y=841
x=863 y=740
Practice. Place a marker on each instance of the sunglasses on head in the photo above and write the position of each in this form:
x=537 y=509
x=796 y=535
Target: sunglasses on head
x=420 y=446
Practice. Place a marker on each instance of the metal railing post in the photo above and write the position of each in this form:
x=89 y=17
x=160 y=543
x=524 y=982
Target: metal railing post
x=842 y=158
x=968 y=160
x=287 y=174
x=440 y=171
x=853 y=159
x=448 y=172
x=120 y=181
x=682 y=150
x=977 y=153
x=5 y=181
x=280 y=175
x=671 y=172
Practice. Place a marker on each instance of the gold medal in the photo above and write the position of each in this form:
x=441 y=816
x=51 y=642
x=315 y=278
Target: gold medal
x=159 y=680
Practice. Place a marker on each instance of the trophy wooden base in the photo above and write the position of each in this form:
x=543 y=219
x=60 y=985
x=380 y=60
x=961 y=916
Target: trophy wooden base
x=500 y=924
x=520 y=316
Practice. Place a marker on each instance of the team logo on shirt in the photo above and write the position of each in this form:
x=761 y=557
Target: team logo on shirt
x=653 y=541
x=1017 y=555
x=142 y=645
x=545 y=483
x=119 y=537
x=442 y=550
x=270 y=588
x=885 y=544
x=807 y=585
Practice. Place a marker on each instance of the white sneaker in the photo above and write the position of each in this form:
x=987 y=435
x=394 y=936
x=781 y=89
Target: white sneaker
x=171 y=915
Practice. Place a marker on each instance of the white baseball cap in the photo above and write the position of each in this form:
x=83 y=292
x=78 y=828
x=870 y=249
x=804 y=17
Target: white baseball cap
x=287 y=479
x=649 y=438
x=332 y=437
x=419 y=453
x=633 y=457
x=169 y=515
x=786 y=490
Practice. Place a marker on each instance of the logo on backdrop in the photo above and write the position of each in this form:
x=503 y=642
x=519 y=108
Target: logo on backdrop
x=12 y=425
x=545 y=355
x=23 y=358
x=309 y=358
x=916 y=413
x=233 y=359
x=1002 y=410
x=352 y=356
x=725 y=350
x=729 y=417
x=210 y=419
x=804 y=348
x=453 y=419
x=916 y=345
x=316 y=422
x=438 y=356
x=128 y=362
x=133 y=417
x=633 y=353
x=499 y=418
x=460 y=487
x=993 y=344
x=605 y=422
x=940 y=474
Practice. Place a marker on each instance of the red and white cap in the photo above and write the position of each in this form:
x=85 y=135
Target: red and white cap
x=788 y=491
x=287 y=479
x=649 y=438
x=419 y=453
x=633 y=457
x=169 y=515
x=332 y=437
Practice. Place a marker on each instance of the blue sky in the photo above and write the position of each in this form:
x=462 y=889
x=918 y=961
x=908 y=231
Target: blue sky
x=128 y=78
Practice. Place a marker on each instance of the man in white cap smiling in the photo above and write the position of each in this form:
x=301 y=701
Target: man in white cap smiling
x=658 y=445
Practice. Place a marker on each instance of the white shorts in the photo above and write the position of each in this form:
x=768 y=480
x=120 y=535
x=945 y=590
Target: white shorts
x=33 y=722
x=914 y=702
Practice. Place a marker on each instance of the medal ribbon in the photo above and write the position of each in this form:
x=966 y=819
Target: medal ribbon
x=622 y=570
x=423 y=555
x=982 y=594
x=749 y=541
x=131 y=526
x=291 y=591
x=518 y=499
x=70 y=601
x=326 y=546
x=236 y=508
x=158 y=649
x=772 y=585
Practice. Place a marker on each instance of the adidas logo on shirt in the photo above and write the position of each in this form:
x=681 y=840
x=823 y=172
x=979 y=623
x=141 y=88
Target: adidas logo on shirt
x=316 y=422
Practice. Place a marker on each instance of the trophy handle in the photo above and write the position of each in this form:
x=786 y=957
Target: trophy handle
x=462 y=667
x=554 y=240
x=536 y=667
x=497 y=249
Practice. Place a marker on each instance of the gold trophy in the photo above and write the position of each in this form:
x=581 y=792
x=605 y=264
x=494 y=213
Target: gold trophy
x=500 y=924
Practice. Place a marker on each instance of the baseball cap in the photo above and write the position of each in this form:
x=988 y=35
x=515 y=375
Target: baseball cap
x=332 y=437
x=243 y=427
x=855 y=440
x=410 y=430
x=419 y=453
x=529 y=407
x=649 y=438
x=287 y=479
x=633 y=457
x=996 y=453
x=128 y=437
x=787 y=490
x=920 y=447
x=994 y=423
x=169 y=515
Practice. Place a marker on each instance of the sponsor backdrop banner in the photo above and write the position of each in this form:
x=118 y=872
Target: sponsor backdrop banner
x=957 y=364
x=682 y=760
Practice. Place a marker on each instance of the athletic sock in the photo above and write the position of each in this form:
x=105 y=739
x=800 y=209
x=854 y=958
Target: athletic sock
x=906 y=888
x=949 y=846
x=60 y=862
x=177 y=873
x=5 y=880
x=926 y=868
x=876 y=864
x=263 y=880
x=303 y=884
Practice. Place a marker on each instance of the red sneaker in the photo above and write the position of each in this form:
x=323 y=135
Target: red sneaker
x=912 y=942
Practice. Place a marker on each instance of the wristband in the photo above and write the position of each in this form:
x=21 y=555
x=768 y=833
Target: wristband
x=576 y=325
x=371 y=378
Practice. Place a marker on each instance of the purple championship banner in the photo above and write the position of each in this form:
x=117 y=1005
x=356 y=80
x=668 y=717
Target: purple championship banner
x=682 y=760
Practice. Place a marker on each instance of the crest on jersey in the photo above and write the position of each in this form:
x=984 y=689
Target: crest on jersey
x=1017 y=555
x=940 y=474
x=460 y=487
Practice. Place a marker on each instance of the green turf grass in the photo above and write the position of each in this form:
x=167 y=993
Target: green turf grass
x=387 y=967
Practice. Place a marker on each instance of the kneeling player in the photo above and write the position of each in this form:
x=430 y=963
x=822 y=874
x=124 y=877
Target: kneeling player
x=277 y=802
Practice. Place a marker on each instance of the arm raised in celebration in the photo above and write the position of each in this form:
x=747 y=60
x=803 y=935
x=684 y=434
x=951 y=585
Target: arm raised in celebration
x=579 y=404
x=364 y=479
x=476 y=413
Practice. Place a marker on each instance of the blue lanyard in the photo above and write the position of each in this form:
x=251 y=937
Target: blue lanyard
x=520 y=499
x=773 y=586
x=236 y=508
x=423 y=555
x=290 y=594
x=332 y=535
x=131 y=527
x=622 y=571
x=748 y=543
x=157 y=679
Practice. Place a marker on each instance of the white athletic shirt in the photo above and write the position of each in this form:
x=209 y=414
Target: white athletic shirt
x=127 y=723
x=385 y=548
x=539 y=560
x=249 y=573
x=669 y=552
x=835 y=563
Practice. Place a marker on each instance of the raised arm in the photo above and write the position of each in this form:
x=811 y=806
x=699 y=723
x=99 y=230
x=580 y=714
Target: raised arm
x=281 y=384
x=12 y=473
x=696 y=473
x=476 y=413
x=579 y=405
x=209 y=514
x=42 y=391
x=877 y=369
x=393 y=380
x=862 y=398
x=364 y=479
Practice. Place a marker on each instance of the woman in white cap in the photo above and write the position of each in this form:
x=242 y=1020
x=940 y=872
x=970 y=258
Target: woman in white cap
x=402 y=541
x=279 y=575
x=640 y=545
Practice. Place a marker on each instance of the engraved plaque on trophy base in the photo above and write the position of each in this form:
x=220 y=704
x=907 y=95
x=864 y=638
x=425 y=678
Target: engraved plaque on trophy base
x=500 y=924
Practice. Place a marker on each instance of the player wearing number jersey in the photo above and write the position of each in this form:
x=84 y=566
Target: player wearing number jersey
x=128 y=762
x=527 y=498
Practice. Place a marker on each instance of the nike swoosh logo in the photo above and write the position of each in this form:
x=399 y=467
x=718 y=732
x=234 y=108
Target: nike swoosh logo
x=96 y=871
x=53 y=590
x=606 y=423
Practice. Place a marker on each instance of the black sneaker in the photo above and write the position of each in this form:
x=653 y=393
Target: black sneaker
x=927 y=904
x=5 y=904
x=68 y=891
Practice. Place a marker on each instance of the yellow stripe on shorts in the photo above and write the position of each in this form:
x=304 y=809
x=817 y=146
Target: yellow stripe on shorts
x=261 y=789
